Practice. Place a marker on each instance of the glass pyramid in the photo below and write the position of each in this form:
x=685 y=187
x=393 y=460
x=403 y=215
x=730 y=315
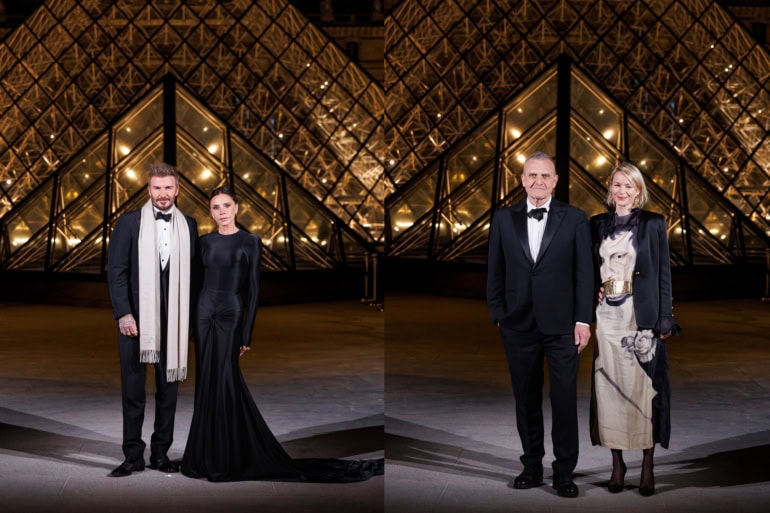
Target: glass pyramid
x=273 y=79
x=684 y=70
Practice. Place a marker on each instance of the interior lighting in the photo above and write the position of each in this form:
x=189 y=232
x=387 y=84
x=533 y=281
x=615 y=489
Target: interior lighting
x=125 y=150
x=608 y=134
x=213 y=149
x=131 y=174
x=515 y=133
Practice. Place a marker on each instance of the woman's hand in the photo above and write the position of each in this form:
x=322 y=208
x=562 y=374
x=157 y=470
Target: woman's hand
x=243 y=350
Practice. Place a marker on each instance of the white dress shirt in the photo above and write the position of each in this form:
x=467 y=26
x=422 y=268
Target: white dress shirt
x=536 y=228
x=163 y=231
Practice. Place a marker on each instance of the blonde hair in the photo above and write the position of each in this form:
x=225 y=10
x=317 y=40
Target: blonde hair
x=637 y=179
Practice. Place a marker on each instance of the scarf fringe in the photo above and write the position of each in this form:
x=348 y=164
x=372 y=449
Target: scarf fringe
x=149 y=356
x=179 y=374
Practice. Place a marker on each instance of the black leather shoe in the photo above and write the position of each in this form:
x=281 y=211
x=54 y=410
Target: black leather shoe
x=127 y=468
x=566 y=488
x=163 y=464
x=530 y=478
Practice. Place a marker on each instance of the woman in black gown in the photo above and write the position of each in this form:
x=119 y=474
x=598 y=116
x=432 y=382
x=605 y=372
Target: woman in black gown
x=229 y=440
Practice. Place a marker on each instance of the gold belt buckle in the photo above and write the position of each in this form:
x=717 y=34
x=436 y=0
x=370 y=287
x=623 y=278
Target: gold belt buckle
x=617 y=287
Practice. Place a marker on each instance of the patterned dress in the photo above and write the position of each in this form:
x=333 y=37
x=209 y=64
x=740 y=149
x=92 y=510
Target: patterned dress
x=630 y=365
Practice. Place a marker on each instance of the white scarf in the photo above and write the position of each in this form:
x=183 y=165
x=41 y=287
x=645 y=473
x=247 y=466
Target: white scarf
x=178 y=294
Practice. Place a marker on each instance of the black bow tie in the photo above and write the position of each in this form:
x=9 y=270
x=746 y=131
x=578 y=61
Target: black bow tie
x=537 y=213
x=165 y=217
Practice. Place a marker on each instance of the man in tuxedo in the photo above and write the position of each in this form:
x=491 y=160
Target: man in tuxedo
x=150 y=270
x=540 y=295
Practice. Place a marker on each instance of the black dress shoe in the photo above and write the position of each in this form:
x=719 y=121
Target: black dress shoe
x=163 y=464
x=566 y=488
x=530 y=478
x=127 y=468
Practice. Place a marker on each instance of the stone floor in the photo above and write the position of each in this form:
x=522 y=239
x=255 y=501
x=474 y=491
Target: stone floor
x=318 y=372
x=451 y=443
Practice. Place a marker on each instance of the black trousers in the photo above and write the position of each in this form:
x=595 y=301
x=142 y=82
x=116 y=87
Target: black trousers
x=133 y=376
x=525 y=352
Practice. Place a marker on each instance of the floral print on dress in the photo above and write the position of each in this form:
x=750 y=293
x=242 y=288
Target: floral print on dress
x=640 y=345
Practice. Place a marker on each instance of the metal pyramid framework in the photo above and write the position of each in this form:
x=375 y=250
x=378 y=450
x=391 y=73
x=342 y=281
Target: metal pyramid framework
x=272 y=78
x=64 y=225
x=443 y=213
x=684 y=70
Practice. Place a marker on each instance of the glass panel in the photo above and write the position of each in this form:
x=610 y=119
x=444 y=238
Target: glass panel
x=464 y=161
x=256 y=172
x=75 y=223
x=651 y=159
x=466 y=207
x=193 y=118
x=130 y=177
x=307 y=217
x=592 y=152
x=709 y=212
x=199 y=167
x=138 y=125
x=30 y=218
x=415 y=203
x=83 y=173
x=530 y=107
x=599 y=111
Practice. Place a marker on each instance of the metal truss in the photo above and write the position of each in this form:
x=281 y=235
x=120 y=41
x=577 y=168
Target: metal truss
x=277 y=80
x=686 y=69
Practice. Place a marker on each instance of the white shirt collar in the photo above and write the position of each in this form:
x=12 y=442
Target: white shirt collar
x=546 y=205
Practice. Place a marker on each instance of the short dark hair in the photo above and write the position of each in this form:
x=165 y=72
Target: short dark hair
x=224 y=189
x=162 y=169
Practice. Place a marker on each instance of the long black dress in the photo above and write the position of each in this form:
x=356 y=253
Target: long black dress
x=229 y=440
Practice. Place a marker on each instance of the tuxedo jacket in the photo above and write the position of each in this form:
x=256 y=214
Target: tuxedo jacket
x=123 y=264
x=652 y=272
x=552 y=292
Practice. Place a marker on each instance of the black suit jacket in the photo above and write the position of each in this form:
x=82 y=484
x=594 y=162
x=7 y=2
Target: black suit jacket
x=652 y=272
x=123 y=264
x=553 y=292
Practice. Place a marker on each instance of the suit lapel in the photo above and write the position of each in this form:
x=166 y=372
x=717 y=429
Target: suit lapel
x=519 y=214
x=555 y=217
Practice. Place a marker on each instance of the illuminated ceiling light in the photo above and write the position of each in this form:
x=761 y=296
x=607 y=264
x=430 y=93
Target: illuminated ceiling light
x=725 y=170
x=73 y=241
x=323 y=243
x=280 y=136
x=131 y=174
x=128 y=129
x=87 y=176
x=52 y=136
x=438 y=114
x=520 y=110
x=681 y=120
x=323 y=86
x=474 y=158
x=714 y=231
x=246 y=176
x=588 y=138
x=600 y=160
x=8 y=182
x=727 y=69
x=213 y=148
x=643 y=162
x=521 y=158
x=205 y=174
x=323 y=180
x=712 y=47
x=723 y=236
x=730 y=66
x=601 y=111
x=125 y=150
x=205 y=129
x=608 y=134
x=392 y=162
x=515 y=133
x=307 y=65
